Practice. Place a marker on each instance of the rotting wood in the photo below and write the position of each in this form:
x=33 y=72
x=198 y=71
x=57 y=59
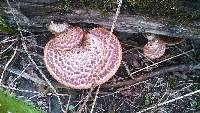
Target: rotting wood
x=35 y=16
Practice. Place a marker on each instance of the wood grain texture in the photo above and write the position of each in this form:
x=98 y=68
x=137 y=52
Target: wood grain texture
x=35 y=16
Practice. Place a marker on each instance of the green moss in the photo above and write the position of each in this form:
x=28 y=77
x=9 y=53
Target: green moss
x=5 y=27
x=175 y=10
x=173 y=81
x=195 y=87
x=9 y=104
x=100 y=5
x=103 y=5
x=66 y=4
x=197 y=107
x=178 y=11
x=147 y=100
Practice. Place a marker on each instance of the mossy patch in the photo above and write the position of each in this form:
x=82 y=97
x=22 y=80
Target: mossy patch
x=179 y=11
x=5 y=27
x=173 y=82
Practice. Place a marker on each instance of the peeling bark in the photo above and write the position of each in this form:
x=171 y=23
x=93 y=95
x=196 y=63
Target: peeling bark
x=36 y=15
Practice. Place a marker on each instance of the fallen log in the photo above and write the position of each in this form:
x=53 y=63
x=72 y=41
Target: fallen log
x=36 y=15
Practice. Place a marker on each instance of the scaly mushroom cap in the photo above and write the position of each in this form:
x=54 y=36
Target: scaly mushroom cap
x=79 y=60
x=155 y=48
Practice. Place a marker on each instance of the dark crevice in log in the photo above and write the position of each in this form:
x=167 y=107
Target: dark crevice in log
x=35 y=16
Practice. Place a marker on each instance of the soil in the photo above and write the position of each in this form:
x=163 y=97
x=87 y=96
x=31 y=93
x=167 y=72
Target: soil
x=123 y=93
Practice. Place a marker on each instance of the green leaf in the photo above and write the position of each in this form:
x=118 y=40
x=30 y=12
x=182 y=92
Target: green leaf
x=10 y=104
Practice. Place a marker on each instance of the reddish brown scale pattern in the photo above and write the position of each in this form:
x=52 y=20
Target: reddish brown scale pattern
x=154 y=49
x=74 y=35
x=111 y=54
x=81 y=65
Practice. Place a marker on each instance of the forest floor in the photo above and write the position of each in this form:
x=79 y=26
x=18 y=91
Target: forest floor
x=140 y=84
x=169 y=84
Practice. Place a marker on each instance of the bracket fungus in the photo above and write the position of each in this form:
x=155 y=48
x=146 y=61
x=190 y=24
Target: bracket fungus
x=79 y=59
x=156 y=45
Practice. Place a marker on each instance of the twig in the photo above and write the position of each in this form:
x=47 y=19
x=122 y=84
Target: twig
x=25 y=75
x=29 y=56
x=31 y=53
x=43 y=75
x=127 y=69
x=161 y=71
x=27 y=91
x=68 y=103
x=170 y=101
x=6 y=66
x=5 y=40
x=186 y=54
x=80 y=109
x=95 y=99
x=20 y=75
x=116 y=15
x=11 y=40
x=10 y=46
x=182 y=67
x=161 y=62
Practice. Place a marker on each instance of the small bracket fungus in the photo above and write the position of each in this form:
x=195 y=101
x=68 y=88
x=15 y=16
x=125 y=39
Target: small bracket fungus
x=80 y=60
x=155 y=48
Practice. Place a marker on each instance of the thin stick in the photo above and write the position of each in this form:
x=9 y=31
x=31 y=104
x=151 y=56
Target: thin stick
x=7 y=48
x=85 y=101
x=5 y=40
x=95 y=99
x=116 y=15
x=25 y=75
x=182 y=67
x=19 y=76
x=161 y=62
x=158 y=72
x=127 y=70
x=6 y=66
x=29 y=56
x=27 y=91
x=43 y=75
x=169 y=101
x=67 y=107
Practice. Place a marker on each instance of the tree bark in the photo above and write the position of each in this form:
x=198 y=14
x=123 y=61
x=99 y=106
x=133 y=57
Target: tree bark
x=37 y=14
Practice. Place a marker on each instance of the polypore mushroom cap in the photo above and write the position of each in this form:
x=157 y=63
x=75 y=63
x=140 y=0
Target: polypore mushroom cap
x=154 y=48
x=80 y=61
x=156 y=45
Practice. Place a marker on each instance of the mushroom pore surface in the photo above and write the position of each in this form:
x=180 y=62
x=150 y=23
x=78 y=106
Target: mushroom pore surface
x=80 y=60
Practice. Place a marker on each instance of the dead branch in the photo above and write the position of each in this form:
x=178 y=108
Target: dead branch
x=156 y=73
x=34 y=16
